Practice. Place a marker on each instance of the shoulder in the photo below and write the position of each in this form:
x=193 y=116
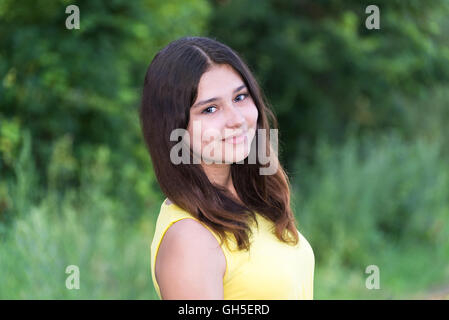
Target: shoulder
x=189 y=231
x=179 y=231
x=189 y=256
x=175 y=222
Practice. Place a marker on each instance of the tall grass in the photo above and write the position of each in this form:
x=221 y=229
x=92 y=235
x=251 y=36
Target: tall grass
x=83 y=227
x=113 y=258
x=377 y=200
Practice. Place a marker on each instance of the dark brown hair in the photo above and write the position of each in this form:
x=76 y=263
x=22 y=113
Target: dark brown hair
x=170 y=89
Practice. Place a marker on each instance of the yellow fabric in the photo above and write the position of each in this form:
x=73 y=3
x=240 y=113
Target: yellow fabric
x=271 y=270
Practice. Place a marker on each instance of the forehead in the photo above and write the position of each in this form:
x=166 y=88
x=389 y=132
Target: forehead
x=217 y=81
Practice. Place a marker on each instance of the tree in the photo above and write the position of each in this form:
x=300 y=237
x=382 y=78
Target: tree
x=325 y=73
x=77 y=91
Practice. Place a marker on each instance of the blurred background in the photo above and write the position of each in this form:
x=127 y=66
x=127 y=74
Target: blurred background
x=363 y=118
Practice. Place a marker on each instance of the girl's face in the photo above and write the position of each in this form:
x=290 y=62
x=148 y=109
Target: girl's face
x=223 y=109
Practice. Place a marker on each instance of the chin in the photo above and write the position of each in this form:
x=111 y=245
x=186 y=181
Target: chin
x=240 y=156
x=229 y=154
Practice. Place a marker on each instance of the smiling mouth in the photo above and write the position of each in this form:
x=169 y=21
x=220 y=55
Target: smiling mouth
x=236 y=139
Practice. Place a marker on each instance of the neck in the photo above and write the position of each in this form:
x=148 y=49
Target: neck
x=220 y=174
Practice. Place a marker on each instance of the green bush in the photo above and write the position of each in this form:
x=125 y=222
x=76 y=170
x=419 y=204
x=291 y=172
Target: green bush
x=322 y=69
x=373 y=193
x=113 y=257
x=82 y=226
x=78 y=91
x=378 y=200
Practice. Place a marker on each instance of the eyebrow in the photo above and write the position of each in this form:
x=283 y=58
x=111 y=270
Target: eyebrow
x=198 y=104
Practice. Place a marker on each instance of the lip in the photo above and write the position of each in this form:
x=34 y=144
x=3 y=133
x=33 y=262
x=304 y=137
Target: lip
x=236 y=139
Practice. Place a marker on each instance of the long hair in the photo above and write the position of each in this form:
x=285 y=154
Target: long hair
x=170 y=89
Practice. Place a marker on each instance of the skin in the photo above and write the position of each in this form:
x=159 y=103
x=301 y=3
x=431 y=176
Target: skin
x=233 y=113
x=190 y=263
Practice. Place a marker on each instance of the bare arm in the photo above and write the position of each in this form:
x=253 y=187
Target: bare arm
x=190 y=264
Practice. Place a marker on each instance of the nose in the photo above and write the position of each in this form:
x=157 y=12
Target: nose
x=234 y=118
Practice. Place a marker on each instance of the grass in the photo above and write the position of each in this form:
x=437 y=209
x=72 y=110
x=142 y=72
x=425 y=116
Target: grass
x=45 y=231
x=404 y=273
x=382 y=201
x=112 y=256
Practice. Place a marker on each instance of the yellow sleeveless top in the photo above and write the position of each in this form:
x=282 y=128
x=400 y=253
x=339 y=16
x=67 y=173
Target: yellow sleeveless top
x=270 y=270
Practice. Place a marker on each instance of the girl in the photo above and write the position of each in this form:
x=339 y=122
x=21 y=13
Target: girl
x=226 y=229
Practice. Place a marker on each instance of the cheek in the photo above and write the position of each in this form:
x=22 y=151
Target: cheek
x=251 y=115
x=204 y=132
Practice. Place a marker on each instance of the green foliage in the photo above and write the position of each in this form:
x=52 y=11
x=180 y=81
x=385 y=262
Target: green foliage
x=83 y=226
x=76 y=183
x=78 y=91
x=378 y=199
x=374 y=193
x=363 y=117
x=323 y=70
x=108 y=252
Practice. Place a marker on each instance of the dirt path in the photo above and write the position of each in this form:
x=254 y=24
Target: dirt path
x=441 y=293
